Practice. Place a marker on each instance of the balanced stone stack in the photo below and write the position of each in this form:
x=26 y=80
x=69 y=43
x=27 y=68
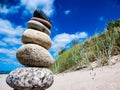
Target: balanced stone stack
x=34 y=55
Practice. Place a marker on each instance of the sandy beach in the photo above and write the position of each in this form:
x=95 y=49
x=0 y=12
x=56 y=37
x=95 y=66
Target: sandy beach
x=102 y=78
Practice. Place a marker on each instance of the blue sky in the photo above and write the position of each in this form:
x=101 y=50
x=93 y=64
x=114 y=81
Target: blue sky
x=71 y=20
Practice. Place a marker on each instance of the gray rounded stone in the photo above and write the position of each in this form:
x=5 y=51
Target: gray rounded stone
x=30 y=78
x=36 y=37
x=33 y=24
x=34 y=55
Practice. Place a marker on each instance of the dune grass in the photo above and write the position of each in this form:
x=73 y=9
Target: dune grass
x=98 y=48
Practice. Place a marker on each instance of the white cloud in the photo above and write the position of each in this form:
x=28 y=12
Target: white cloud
x=4 y=9
x=46 y=5
x=11 y=38
x=8 y=52
x=13 y=9
x=12 y=41
x=61 y=40
x=67 y=12
x=9 y=61
x=7 y=28
x=2 y=43
x=5 y=25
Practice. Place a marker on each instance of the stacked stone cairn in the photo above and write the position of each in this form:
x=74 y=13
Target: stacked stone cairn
x=34 y=55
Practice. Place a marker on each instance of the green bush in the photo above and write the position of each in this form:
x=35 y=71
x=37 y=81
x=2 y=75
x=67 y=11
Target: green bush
x=112 y=24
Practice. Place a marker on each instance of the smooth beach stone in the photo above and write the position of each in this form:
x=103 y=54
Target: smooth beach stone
x=36 y=37
x=33 y=24
x=30 y=78
x=34 y=55
x=40 y=14
x=45 y=22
